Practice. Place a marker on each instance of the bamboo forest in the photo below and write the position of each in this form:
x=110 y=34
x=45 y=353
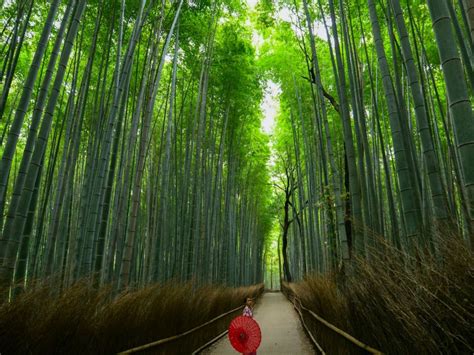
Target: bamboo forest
x=165 y=163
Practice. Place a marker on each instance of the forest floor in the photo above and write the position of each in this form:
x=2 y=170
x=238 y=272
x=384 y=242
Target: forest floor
x=282 y=332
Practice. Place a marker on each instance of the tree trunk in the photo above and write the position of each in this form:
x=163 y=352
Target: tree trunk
x=460 y=106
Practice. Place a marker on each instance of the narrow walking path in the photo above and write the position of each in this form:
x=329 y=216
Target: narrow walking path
x=282 y=332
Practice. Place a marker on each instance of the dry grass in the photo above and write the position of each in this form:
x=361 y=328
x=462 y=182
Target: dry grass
x=84 y=320
x=397 y=303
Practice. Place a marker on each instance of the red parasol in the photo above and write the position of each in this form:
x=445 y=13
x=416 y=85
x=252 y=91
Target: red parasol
x=244 y=334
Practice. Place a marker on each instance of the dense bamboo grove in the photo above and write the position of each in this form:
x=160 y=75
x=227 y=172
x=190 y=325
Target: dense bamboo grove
x=375 y=136
x=132 y=148
x=131 y=145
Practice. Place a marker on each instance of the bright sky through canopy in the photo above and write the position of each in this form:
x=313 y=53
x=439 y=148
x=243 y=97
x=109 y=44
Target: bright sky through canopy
x=252 y=3
x=270 y=106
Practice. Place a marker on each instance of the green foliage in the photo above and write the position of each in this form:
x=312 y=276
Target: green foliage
x=202 y=138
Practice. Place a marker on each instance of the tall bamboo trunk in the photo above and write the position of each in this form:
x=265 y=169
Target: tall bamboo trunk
x=469 y=8
x=410 y=206
x=22 y=108
x=441 y=210
x=11 y=248
x=460 y=106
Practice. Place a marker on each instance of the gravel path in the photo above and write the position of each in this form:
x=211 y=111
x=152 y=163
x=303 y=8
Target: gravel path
x=282 y=332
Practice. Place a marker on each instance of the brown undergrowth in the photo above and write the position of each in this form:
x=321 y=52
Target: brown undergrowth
x=84 y=320
x=397 y=303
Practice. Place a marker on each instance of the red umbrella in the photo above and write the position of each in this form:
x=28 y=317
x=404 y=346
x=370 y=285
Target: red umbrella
x=244 y=334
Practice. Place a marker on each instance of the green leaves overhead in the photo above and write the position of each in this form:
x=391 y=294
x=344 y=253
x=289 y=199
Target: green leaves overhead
x=154 y=165
x=358 y=178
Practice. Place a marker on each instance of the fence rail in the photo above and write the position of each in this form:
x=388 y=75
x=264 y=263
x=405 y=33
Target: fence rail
x=299 y=308
x=315 y=342
x=210 y=342
x=178 y=336
x=181 y=335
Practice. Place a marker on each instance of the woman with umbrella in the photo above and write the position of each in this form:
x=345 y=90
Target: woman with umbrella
x=244 y=332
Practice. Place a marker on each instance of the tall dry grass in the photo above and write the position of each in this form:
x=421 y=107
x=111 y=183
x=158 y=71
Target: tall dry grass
x=84 y=320
x=398 y=303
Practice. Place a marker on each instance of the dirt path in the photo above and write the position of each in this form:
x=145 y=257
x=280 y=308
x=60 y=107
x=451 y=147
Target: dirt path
x=282 y=332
